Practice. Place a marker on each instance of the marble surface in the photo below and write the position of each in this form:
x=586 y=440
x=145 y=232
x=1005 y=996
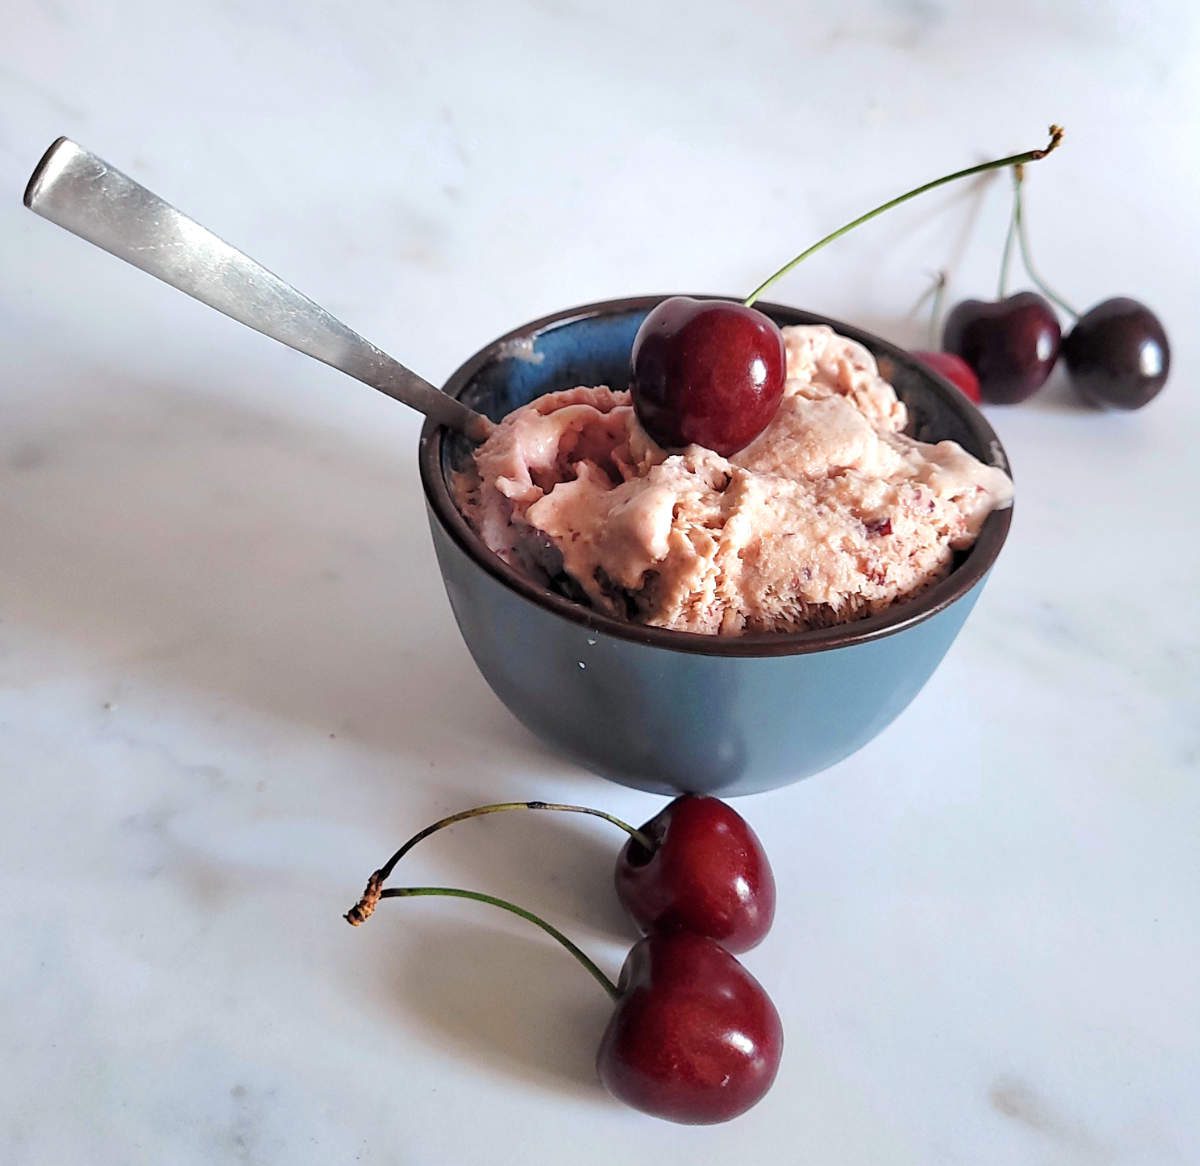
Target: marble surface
x=230 y=682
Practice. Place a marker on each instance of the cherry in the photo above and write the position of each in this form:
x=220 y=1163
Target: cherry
x=705 y=872
x=707 y=371
x=696 y=865
x=1010 y=344
x=1118 y=354
x=712 y=372
x=694 y=1038
x=955 y=370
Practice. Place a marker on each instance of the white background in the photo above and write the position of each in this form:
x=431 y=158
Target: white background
x=230 y=682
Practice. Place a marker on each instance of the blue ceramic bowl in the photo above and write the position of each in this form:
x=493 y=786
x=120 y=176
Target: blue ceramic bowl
x=667 y=711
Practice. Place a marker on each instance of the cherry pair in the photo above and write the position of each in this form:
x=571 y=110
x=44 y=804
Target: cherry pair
x=693 y=1038
x=1117 y=354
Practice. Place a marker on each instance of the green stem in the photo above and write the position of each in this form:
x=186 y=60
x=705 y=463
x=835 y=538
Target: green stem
x=1006 y=254
x=505 y=905
x=1018 y=220
x=365 y=907
x=935 y=292
x=500 y=807
x=935 y=311
x=1056 y=134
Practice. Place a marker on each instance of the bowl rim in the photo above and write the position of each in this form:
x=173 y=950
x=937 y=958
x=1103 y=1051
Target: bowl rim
x=966 y=576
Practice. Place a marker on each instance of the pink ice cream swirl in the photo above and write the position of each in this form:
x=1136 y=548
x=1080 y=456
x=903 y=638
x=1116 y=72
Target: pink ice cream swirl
x=830 y=515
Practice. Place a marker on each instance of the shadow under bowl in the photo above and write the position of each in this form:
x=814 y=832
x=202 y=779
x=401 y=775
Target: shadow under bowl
x=667 y=711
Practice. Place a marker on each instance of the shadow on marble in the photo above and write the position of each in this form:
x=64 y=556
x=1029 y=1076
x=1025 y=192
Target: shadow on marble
x=168 y=538
x=504 y=1003
x=559 y=864
x=1057 y=396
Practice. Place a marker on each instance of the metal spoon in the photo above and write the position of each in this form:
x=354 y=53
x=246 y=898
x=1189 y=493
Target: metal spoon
x=87 y=196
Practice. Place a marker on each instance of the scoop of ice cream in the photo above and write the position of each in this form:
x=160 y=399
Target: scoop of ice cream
x=832 y=513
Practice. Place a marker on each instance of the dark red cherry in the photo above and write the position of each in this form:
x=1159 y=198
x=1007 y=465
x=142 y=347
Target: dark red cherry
x=1118 y=354
x=955 y=370
x=1011 y=344
x=707 y=371
x=694 y=1038
x=708 y=873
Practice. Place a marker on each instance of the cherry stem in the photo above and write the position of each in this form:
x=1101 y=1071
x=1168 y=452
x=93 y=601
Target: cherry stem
x=512 y=908
x=1006 y=255
x=361 y=911
x=936 y=292
x=935 y=311
x=1056 y=136
x=1018 y=224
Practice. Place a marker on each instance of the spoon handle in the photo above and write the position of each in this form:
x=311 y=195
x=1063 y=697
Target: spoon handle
x=87 y=196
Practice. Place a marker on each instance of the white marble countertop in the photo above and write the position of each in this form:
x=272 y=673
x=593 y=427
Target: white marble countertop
x=230 y=682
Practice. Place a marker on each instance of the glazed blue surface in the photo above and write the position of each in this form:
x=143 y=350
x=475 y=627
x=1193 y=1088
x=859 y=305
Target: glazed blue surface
x=653 y=717
x=584 y=352
x=671 y=722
